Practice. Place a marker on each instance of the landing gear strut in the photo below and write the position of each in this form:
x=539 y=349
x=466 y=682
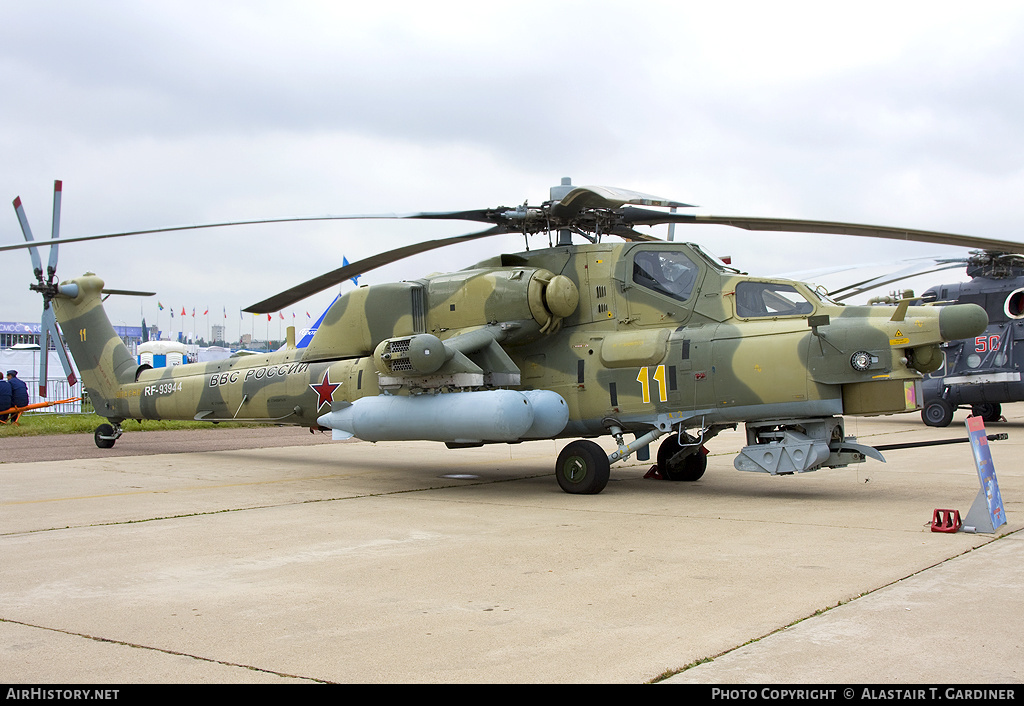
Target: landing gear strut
x=583 y=467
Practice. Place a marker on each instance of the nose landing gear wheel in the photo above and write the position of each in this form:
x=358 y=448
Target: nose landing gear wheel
x=582 y=468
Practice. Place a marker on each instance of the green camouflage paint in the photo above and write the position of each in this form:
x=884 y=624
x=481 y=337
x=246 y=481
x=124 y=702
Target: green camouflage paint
x=631 y=351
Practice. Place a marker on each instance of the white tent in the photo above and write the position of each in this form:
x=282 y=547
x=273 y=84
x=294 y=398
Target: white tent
x=162 y=354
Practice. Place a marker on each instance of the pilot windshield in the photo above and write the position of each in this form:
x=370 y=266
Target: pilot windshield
x=666 y=271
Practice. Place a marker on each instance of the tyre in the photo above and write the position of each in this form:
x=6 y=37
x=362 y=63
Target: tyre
x=937 y=413
x=689 y=468
x=101 y=431
x=988 y=411
x=582 y=468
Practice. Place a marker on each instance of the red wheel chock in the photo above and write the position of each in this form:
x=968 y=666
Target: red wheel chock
x=654 y=473
x=946 y=521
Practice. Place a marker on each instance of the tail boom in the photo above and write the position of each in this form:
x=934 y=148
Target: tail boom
x=103 y=360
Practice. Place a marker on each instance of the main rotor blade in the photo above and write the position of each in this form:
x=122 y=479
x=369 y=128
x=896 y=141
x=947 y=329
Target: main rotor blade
x=482 y=215
x=634 y=235
x=639 y=216
x=912 y=267
x=852 y=290
x=324 y=281
x=608 y=197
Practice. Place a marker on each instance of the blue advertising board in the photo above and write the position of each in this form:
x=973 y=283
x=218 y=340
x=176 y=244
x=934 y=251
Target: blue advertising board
x=987 y=513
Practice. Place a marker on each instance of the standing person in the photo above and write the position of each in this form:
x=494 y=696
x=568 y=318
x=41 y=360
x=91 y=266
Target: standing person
x=19 y=390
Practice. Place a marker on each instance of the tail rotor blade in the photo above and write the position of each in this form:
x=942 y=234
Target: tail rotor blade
x=37 y=264
x=53 y=333
x=51 y=268
x=65 y=362
x=44 y=355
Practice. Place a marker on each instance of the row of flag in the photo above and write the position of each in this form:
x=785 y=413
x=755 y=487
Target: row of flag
x=270 y=317
x=206 y=312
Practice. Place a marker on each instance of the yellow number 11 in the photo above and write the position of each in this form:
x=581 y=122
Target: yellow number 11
x=645 y=383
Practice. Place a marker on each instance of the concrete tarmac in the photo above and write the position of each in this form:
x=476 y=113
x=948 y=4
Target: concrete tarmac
x=407 y=562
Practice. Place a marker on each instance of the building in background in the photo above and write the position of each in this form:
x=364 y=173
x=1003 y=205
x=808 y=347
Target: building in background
x=14 y=334
x=18 y=333
x=217 y=333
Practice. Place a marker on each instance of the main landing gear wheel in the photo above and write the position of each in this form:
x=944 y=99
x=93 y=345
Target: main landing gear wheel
x=104 y=430
x=689 y=468
x=937 y=413
x=582 y=468
x=988 y=411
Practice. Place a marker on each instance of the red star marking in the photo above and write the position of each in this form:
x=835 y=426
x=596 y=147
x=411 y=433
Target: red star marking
x=325 y=390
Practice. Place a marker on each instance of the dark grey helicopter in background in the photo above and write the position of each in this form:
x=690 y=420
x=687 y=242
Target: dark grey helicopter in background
x=979 y=373
x=985 y=371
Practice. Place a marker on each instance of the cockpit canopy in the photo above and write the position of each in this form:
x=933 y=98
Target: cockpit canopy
x=755 y=299
x=668 y=272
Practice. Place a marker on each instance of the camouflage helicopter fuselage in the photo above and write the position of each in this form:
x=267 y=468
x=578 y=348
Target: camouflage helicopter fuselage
x=648 y=338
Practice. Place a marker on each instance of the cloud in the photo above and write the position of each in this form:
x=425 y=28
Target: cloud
x=170 y=113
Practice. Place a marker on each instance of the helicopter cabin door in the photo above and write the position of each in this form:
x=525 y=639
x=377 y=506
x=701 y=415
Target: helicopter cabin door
x=661 y=282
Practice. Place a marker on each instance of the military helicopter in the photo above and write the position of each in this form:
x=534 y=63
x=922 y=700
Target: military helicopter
x=644 y=338
x=979 y=373
x=984 y=371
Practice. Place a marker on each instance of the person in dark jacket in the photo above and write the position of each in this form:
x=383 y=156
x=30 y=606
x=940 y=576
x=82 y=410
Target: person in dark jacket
x=6 y=401
x=19 y=390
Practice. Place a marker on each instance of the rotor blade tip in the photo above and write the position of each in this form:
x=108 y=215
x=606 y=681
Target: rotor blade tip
x=58 y=185
x=17 y=202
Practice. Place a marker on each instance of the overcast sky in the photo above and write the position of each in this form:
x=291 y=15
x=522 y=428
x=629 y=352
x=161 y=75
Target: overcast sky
x=169 y=113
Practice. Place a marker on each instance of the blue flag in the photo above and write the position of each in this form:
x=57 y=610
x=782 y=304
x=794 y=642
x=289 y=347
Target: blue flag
x=345 y=263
